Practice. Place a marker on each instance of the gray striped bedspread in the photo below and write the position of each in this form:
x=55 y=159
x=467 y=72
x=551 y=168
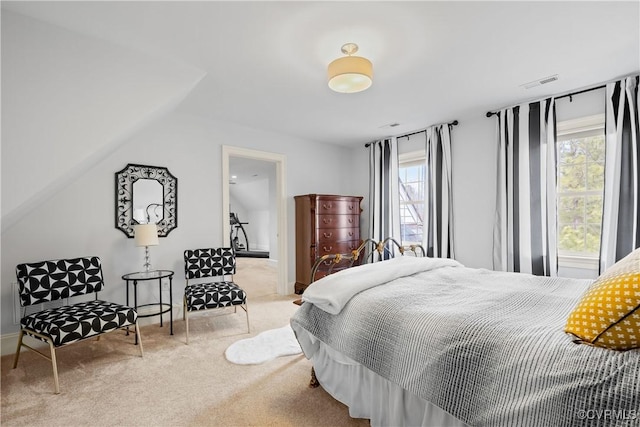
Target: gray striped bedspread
x=487 y=347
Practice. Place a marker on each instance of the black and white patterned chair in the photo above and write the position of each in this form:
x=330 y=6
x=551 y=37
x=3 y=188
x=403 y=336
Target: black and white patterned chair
x=216 y=263
x=58 y=280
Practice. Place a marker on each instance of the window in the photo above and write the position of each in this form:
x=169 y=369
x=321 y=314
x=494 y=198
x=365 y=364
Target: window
x=581 y=145
x=412 y=170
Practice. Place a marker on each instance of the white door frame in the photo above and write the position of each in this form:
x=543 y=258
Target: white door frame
x=280 y=161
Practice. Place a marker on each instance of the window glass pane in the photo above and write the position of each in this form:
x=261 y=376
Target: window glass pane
x=572 y=177
x=571 y=151
x=571 y=238
x=412 y=193
x=595 y=176
x=580 y=186
x=594 y=209
x=411 y=223
x=415 y=190
x=571 y=210
x=412 y=174
x=595 y=149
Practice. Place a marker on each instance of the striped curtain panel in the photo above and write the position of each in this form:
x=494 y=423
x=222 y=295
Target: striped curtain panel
x=620 y=217
x=524 y=233
x=384 y=198
x=437 y=236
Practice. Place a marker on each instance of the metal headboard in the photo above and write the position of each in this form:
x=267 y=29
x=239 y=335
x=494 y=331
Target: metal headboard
x=368 y=251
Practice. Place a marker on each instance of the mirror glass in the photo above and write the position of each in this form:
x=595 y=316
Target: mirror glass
x=146 y=194
x=147 y=201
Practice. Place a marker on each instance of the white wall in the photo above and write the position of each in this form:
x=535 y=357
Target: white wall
x=237 y=207
x=581 y=105
x=474 y=153
x=255 y=212
x=473 y=157
x=273 y=217
x=68 y=101
x=79 y=220
x=44 y=72
x=259 y=236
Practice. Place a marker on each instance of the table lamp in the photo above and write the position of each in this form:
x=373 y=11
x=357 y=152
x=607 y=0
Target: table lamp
x=146 y=235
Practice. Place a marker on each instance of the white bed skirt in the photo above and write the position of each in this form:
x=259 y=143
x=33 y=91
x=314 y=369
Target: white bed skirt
x=367 y=394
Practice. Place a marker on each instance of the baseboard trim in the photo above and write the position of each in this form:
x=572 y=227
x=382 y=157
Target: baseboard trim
x=9 y=343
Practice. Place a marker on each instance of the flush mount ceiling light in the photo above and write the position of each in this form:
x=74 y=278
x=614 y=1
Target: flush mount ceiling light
x=350 y=74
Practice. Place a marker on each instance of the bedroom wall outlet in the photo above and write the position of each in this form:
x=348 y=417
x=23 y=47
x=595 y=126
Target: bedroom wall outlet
x=165 y=285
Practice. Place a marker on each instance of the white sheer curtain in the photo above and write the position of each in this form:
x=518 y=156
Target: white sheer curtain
x=384 y=197
x=437 y=236
x=620 y=217
x=524 y=234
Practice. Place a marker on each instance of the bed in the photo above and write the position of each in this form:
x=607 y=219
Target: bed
x=425 y=341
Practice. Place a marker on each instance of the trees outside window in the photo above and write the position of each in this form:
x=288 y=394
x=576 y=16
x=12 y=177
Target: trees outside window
x=581 y=146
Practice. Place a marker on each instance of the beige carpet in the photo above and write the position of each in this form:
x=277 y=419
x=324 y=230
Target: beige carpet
x=107 y=383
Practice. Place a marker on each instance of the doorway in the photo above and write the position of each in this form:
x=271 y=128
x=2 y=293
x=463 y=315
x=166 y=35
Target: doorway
x=278 y=244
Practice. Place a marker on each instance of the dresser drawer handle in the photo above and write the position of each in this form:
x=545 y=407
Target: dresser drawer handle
x=327 y=220
x=327 y=235
x=350 y=234
x=327 y=205
x=327 y=250
x=350 y=220
x=350 y=207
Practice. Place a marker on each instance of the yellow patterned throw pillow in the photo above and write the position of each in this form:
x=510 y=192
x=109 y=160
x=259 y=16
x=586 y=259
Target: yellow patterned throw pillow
x=608 y=314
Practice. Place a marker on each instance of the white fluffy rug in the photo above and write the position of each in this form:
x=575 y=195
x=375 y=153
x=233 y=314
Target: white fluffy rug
x=263 y=347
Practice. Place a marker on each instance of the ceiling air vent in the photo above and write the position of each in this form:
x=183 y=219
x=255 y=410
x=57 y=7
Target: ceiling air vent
x=540 y=82
x=389 y=125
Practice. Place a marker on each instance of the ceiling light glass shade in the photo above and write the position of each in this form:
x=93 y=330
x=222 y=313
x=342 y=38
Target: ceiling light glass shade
x=350 y=74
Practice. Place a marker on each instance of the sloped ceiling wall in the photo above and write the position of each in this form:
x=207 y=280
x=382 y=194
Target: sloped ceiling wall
x=68 y=101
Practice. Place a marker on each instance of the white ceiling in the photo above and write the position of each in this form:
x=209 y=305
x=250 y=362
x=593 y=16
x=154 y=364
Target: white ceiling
x=433 y=61
x=243 y=170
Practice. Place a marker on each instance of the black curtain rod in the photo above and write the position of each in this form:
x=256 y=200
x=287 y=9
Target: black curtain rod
x=453 y=123
x=581 y=91
x=493 y=113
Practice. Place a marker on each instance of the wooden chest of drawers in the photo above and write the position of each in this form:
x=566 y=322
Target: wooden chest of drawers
x=325 y=224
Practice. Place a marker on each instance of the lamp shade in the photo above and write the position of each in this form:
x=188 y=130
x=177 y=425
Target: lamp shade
x=350 y=74
x=145 y=234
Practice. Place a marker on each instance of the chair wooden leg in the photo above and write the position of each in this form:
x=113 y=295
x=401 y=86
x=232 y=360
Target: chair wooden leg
x=15 y=359
x=246 y=311
x=185 y=317
x=186 y=322
x=139 y=339
x=55 y=367
x=52 y=357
